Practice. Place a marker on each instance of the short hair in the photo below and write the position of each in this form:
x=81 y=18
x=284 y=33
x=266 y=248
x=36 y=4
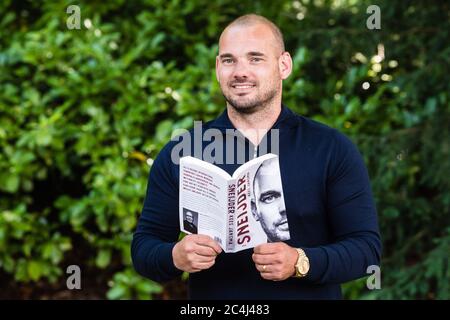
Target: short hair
x=252 y=19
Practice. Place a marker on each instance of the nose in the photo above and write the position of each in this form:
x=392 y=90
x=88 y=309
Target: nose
x=241 y=71
x=282 y=209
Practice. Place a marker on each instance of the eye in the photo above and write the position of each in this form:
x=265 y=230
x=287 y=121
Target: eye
x=256 y=59
x=269 y=198
x=227 y=61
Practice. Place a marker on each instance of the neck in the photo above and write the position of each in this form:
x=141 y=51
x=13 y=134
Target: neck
x=255 y=125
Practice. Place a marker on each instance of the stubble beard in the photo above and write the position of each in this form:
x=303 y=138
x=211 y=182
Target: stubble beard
x=251 y=105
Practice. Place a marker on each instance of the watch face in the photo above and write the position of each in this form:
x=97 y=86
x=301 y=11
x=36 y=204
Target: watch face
x=304 y=267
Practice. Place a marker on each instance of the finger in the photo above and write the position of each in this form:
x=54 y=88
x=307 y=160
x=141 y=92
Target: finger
x=203 y=265
x=208 y=242
x=266 y=248
x=205 y=251
x=263 y=258
x=269 y=276
x=263 y=268
x=199 y=258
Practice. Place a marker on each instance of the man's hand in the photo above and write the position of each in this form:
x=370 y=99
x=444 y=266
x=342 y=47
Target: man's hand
x=275 y=261
x=195 y=252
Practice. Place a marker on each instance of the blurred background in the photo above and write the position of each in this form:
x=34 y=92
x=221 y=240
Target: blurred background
x=84 y=111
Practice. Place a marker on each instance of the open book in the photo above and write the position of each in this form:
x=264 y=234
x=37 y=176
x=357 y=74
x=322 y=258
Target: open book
x=239 y=211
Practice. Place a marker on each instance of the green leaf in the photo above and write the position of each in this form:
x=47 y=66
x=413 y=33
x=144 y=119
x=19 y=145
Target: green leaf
x=117 y=292
x=163 y=130
x=43 y=137
x=34 y=270
x=9 y=182
x=103 y=258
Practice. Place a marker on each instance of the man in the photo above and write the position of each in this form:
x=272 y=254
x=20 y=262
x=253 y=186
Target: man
x=188 y=222
x=268 y=203
x=329 y=206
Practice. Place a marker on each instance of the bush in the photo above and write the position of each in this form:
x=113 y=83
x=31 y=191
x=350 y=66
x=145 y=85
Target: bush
x=84 y=112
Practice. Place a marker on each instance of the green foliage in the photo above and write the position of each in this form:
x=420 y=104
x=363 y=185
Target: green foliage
x=34 y=246
x=128 y=285
x=83 y=113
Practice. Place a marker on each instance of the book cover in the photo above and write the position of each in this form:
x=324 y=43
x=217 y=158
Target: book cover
x=239 y=211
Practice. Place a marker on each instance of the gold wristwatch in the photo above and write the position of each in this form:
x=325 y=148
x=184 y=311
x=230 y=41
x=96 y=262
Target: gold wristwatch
x=302 y=265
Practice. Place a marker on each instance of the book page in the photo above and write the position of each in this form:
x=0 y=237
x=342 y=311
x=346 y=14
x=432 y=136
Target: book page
x=203 y=199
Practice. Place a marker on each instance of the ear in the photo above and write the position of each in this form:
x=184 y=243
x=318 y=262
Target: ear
x=217 y=68
x=285 y=65
x=254 y=210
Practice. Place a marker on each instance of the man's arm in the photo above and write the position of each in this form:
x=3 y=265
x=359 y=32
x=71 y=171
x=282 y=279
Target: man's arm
x=158 y=227
x=155 y=252
x=352 y=219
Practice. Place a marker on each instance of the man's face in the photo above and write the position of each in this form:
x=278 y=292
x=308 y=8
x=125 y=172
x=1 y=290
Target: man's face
x=248 y=67
x=270 y=208
x=189 y=217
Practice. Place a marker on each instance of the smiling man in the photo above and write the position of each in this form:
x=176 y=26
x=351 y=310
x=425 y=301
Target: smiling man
x=331 y=214
x=250 y=80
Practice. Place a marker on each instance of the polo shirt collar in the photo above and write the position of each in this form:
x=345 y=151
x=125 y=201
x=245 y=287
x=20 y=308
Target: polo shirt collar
x=285 y=119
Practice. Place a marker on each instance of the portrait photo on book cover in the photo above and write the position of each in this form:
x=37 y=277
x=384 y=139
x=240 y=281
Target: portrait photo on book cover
x=190 y=220
x=267 y=201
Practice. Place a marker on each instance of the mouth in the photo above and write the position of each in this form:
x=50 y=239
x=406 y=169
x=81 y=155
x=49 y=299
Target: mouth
x=243 y=86
x=283 y=225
